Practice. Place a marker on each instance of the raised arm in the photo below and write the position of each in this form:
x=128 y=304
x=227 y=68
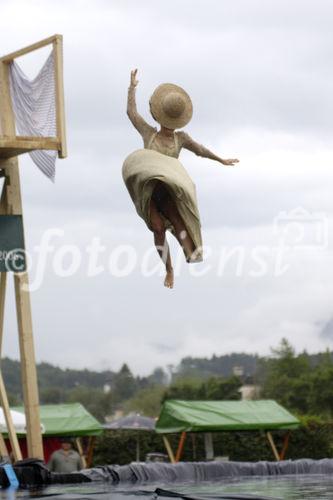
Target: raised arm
x=139 y=123
x=188 y=143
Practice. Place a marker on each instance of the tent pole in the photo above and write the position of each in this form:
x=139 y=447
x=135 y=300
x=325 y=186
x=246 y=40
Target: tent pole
x=285 y=446
x=137 y=448
x=90 y=451
x=271 y=442
x=209 y=446
x=80 y=450
x=194 y=447
x=180 y=446
x=169 y=449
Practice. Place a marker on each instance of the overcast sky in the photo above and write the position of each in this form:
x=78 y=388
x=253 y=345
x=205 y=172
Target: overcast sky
x=260 y=77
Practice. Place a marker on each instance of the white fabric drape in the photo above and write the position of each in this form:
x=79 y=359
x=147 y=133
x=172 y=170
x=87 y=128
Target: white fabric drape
x=34 y=108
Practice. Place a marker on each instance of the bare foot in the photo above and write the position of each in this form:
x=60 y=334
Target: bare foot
x=168 y=282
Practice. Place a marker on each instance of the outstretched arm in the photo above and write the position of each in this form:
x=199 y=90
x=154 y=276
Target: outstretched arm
x=199 y=150
x=139 y=123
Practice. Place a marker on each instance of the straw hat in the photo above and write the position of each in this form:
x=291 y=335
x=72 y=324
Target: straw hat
x=171 y=106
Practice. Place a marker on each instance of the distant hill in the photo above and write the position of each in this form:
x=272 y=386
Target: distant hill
x=55 y=382
x=50 y=376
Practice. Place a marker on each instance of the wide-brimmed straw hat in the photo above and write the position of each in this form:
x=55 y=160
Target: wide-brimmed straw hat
x=171 y=106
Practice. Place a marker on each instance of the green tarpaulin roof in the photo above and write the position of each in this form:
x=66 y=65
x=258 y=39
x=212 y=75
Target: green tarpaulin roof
x=213 y=416
x=67 y=420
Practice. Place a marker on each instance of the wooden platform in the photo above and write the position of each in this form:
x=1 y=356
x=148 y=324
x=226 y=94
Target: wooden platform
x=14 y=146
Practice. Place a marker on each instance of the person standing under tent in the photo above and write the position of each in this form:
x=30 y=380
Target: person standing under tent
x=65 y=459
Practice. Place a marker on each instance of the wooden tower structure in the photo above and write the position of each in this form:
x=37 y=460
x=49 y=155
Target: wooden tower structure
x=11 y=146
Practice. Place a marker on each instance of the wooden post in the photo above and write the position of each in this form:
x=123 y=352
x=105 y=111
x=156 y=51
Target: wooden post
x=23 y=308
x=169 y=449
x=271 y=442
x=285 y=446
x=28 y=366
x=180 y=446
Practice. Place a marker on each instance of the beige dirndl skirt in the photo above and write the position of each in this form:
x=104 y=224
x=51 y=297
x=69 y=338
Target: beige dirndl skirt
x=143 y=169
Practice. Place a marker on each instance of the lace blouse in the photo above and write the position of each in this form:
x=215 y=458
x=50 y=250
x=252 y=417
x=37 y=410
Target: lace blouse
x=152 y=139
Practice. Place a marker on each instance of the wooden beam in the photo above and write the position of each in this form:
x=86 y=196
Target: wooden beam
x=30 y=48
x=29 y=142
x=60 y=99
x=11 y=147
x=169 y=449
x=180 y=446
x=271 y=442
x=9 y=422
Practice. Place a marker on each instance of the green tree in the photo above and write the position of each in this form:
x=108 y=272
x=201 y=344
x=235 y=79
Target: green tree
x=286 y=378
x=124 y=385
x=94 y=400
x=52 y=395
x=184 y=389
x=146 y=401
x=218 y=388
x=321 y=394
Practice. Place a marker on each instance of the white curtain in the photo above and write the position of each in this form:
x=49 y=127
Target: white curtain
x=34 y=108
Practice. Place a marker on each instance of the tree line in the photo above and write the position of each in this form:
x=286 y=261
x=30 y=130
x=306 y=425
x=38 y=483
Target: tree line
x=303 y=383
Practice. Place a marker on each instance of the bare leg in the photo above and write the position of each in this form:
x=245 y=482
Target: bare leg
x=171 y=212
x=161 y=243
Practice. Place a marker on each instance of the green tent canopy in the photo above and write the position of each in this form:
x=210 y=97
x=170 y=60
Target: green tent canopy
x=213 y=416
x=70 y=419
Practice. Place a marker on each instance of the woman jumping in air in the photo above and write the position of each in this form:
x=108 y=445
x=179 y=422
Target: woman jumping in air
x=161 y=189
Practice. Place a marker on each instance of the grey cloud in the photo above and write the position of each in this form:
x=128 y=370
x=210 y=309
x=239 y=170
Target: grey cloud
x=327 y=330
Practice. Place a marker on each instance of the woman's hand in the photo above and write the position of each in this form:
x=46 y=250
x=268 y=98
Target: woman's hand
x=134 y=81
x=230 y=163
